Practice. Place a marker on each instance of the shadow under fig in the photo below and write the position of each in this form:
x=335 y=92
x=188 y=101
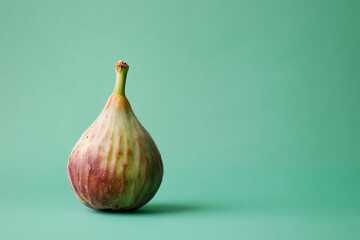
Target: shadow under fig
x=157 y=208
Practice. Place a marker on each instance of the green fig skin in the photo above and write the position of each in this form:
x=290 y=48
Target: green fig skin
x=115 y=164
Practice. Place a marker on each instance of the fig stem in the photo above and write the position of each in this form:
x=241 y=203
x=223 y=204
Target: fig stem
x=121 y=69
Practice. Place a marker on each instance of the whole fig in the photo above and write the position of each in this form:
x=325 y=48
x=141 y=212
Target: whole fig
x=115 y=164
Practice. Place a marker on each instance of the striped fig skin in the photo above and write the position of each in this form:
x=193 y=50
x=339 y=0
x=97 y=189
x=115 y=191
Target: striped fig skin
x=115 y=164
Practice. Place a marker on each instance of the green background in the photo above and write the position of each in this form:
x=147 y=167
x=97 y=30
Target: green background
x=254 y=106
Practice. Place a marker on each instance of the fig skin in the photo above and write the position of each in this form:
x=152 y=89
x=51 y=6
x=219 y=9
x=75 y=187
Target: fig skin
x=115 y=164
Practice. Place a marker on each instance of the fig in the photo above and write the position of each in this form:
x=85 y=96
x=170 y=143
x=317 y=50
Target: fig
x=115 y=164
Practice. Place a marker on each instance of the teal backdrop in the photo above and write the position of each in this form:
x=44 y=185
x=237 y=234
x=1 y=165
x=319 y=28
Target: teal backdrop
x=254 y=106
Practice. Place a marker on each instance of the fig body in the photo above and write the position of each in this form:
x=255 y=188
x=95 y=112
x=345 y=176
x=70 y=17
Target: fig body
x=115 y=164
